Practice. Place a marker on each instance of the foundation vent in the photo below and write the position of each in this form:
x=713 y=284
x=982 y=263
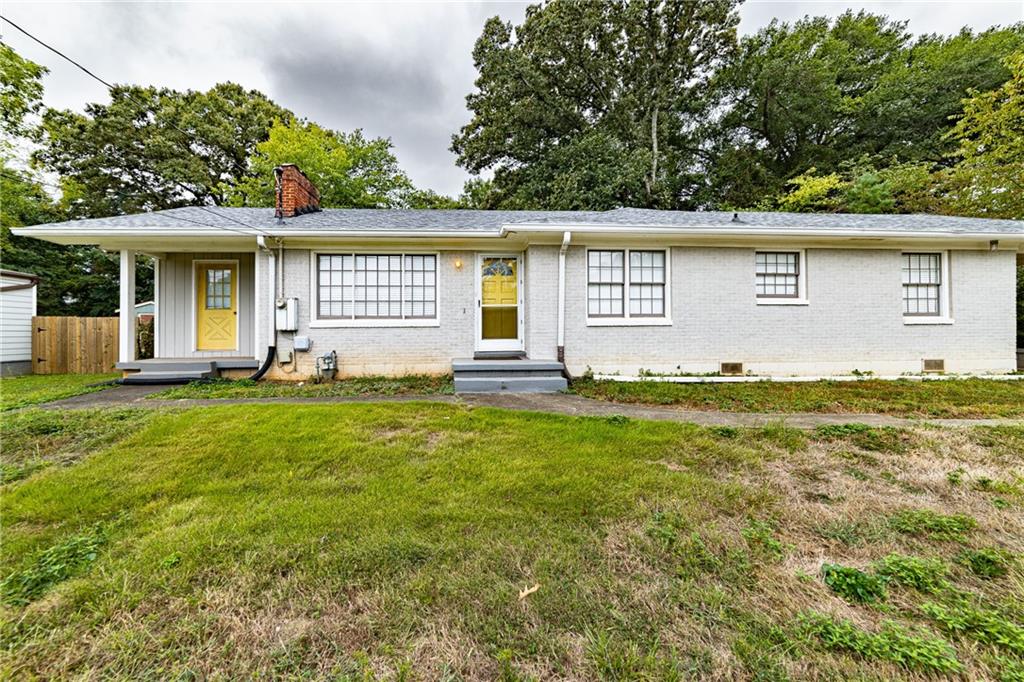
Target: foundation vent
x=934 y=365
x=731 y=368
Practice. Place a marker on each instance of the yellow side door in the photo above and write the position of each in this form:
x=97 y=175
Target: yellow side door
x=216 y=306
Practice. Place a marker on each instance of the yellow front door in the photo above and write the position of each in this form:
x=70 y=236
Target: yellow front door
x=499 y=303
x=216 y=306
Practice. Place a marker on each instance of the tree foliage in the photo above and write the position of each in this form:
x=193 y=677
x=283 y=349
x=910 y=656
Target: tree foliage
x=989 y=178
x=349 y=170
x=594 y=104
x=154 y=148
x=21 y=91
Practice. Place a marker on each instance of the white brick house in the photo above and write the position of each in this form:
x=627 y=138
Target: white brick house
x=403 y=291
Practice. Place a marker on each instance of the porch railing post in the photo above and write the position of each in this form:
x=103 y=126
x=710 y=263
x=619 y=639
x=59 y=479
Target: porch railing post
x=126 y=320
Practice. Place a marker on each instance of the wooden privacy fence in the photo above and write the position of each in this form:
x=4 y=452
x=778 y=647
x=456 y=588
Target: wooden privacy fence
x=74 y=345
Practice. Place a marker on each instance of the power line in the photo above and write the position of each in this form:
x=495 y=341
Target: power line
x=142 y=104
x=111 y=87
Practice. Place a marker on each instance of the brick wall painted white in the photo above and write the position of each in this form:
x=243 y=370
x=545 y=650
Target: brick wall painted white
x=389 y=350
x=853 y=319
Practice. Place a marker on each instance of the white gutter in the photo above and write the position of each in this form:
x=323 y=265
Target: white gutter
x=718 y=231
x=566 y=238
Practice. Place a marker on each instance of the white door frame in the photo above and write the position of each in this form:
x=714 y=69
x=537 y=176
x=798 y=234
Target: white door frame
x=238 y=303
x=516 y=344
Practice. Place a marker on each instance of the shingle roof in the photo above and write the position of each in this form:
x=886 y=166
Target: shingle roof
x=373 y=220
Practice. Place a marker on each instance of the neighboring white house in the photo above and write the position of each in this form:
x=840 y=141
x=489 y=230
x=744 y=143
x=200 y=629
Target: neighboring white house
x=17 y=307
x=620 y=291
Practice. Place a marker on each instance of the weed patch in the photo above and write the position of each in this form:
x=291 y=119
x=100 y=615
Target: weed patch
x=987 y=563
x=854 y=585
x=924 y=575
x=55 y=564
x=893 y=643
x=876 y=439
x=760 y=537
x=984 y=625
x=932 y=525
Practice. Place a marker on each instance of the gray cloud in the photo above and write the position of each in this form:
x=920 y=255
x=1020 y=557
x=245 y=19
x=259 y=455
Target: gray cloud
x=398 y=70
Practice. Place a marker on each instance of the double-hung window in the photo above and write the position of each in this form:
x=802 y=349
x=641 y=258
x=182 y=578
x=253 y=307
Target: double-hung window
x=627 y=284
x=922 y=285
x=357 y=286
x=777 y=275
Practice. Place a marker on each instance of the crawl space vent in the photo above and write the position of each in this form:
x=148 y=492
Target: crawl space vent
x=732 y=368
x=935 y=365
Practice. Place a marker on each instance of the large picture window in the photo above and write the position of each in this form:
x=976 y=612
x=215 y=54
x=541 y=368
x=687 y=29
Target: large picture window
x=922 y=284
x=626 y=284
x=376 y=286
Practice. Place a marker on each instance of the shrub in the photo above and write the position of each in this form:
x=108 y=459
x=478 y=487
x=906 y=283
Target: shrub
x=985 y=563
x=913 y=650
x=853 y=584
x=926 y=575
x=926 y=523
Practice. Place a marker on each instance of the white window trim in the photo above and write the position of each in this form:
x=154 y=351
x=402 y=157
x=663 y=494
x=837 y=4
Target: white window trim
x=801 y=279
x=317 y=322
x=944 y=316
x=626 y=320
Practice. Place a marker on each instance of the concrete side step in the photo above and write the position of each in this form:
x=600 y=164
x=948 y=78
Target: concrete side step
x=169 y=365
x=499 y=355
x=482 y=374
x=510 y=384
x=510 y=366
x=170 y=377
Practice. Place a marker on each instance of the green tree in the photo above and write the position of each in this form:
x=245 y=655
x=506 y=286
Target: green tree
x=349 y=170
x=989 y=178
x=74 y=280
x=155 y=148
x=594 y=104
x=21 y=91
x=909 y=111
x=868 y=193
x=812 y=193
x=822 y=93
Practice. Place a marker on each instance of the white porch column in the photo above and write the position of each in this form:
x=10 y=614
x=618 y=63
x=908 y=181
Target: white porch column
x=126 y=325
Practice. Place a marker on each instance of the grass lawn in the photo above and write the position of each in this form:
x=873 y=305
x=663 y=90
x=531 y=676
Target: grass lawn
x=33 y=389
x=406 y=385
x=965 y=398
x=431 y=541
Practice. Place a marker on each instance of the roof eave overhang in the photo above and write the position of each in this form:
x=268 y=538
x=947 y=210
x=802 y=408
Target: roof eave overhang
x=126 y=237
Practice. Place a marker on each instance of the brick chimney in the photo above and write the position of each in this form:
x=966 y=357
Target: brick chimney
x=296 y=195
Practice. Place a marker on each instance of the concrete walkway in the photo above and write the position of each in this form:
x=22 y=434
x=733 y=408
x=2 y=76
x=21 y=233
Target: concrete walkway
x=555 y=403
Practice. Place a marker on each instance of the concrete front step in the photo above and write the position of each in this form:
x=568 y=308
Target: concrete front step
x=169 y=366
x=510 y=384
x=511 y=366
x=508 y=375
x=169 y=376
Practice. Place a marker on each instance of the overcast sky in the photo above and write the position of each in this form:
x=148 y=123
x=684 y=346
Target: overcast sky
x=399 y=70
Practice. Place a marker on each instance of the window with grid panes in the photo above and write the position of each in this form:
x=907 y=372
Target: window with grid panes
x=922 y=283
x=777 y=274
x=376 y=286
x=613 y=276
x=218 y=289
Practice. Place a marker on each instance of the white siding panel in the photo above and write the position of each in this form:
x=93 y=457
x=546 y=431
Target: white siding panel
x=177 y=305
x=16 y=311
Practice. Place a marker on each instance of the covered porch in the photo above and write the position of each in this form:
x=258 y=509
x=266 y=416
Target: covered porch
x=204 y=317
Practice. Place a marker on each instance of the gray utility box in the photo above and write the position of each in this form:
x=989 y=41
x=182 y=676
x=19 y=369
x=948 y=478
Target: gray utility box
x=287 y=315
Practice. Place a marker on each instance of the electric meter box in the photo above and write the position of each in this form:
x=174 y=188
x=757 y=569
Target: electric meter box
x=287 y=317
